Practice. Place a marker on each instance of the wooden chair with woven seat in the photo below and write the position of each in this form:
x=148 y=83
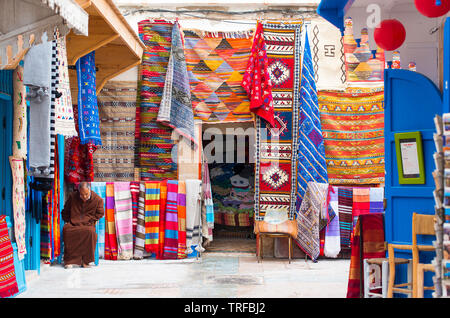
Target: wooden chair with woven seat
x=422 y=224
x=383 y=264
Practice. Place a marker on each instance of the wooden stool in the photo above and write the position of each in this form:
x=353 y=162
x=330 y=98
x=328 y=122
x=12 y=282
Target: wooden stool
x=380 y=265
x=274 y=235
x=421 y=269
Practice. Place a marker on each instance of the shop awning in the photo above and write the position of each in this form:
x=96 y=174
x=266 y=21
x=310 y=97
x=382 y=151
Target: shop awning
x=23 y=22
x=117 y=47
x=334 y=11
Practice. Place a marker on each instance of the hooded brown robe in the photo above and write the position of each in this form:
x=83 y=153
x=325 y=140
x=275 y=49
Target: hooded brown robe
x=79 y=233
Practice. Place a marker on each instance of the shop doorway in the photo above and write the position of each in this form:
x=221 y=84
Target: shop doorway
x=232 y=173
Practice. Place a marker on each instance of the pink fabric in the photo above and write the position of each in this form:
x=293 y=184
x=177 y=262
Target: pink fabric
x=256 y=79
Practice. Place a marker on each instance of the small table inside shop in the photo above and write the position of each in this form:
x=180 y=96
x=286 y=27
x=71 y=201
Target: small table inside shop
x=273 y=235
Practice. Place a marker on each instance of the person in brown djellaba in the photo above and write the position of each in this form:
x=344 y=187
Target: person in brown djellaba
x=81 y=211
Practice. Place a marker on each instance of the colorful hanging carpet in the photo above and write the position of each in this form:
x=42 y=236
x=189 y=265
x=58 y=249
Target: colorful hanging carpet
x=363 y=68
x=372 y=228
x=171 y=224
x=312 y=166
x=353 y=129
x=216 y=63
x=176 y=104
x=308 y=218
x=114 y=159
x=88 y=122
x=152 y=202
x=110 y=230
x=8 y=282
x=124 y=219
x=155 y=145
x=276 y=148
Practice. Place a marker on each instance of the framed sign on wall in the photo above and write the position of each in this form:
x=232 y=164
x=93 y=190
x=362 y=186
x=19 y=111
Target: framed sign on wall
x=410 y=158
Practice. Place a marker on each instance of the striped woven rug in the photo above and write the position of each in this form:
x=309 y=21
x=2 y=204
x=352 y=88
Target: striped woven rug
x=155 y=144
x=114 y=159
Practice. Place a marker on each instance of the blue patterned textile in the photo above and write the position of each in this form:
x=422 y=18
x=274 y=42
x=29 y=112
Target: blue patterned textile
x=88 y=120
x=312 y=166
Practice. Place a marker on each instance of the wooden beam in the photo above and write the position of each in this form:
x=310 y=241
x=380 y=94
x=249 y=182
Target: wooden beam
x=100 y=34
x=101 y=81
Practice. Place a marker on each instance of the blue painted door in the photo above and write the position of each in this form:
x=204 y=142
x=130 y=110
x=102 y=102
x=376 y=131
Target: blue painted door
x=411 y=103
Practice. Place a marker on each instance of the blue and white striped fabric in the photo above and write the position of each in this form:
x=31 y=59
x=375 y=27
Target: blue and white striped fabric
x=100 y=189
x=311 y=163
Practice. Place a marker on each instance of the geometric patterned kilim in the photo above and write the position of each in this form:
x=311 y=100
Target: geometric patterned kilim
x=353 y=130
x=276 y=148
x=216 y=64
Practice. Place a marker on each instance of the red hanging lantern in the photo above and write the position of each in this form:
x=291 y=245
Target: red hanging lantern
x=433 y=8
x=390 y=34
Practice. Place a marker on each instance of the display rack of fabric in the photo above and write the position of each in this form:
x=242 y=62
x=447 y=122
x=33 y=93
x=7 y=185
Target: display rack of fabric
x=110 y=229
x=123 y=216
x=152 y=207
x=171 y=224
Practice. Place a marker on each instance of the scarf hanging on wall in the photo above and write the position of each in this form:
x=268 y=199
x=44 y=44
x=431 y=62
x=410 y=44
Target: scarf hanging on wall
x=88 y=121
x=110 y=229
x=155 y=144
x=256 y=80
x=376 y=196
x=162 y=218
x=181 y=207
x=171 y=224
x=216 y=63
x=8 y=282
x=208 y=204
x=20 y=115
x=193 y=207
x=176 y=104
x=64 y=116
x=18 y=203
x=345 y=207
x=123 y=219
x=134 y=188
x=100 y=189
x=353 y=129
x=46 y=229
x=312 y=166
x=114 y=159
x=152 y=203
x=308 y=216
x=276 y=148
x=139 y=244
x=332 y=245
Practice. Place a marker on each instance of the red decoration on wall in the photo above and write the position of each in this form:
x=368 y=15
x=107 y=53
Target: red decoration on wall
x=430 y=9
x=390 y=34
